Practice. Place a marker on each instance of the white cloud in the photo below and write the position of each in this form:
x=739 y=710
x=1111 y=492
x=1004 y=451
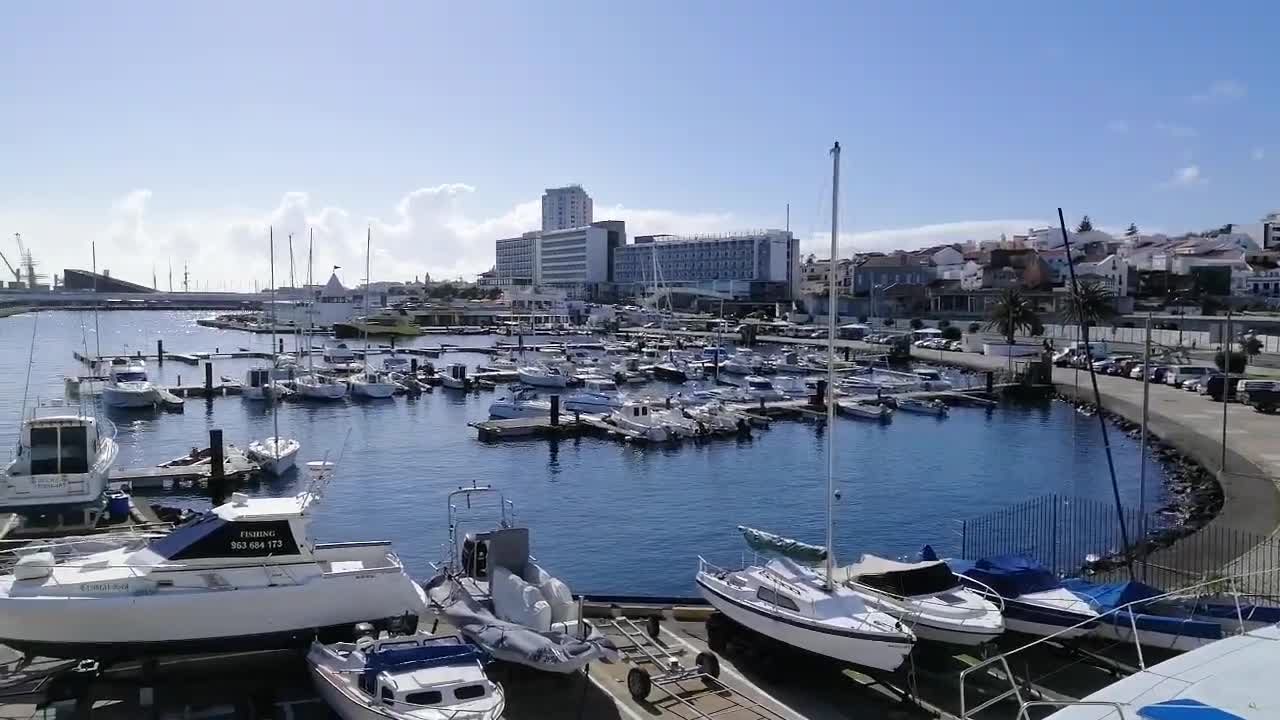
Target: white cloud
x=1221 y=91
x=1118 y=126
x=1176 y=131
x=1258 y=153
x=1185 y=177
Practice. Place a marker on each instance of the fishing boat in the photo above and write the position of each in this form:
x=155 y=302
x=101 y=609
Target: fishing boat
x=543 y=376
x=716 y=417
x=63 y=458
x=598 y=395
x=923 y=407
x=405 y=677
x=926 y=597
x=1034 y=599
x=244 y=575
x=495 y=593
x=454 y=376
x=637 y=417
x=523 y=402
x=127 y=385
x=796 y=604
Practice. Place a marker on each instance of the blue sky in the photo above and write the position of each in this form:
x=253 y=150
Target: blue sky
x=168 y=130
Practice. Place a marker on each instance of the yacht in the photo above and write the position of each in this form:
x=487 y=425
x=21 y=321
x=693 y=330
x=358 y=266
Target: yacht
x=275 y=455
x=63 y=458
x=741 y=363
x=405 y=677
x=320 y=387
x=393 y=321
x=127 y=385
x=598 y=395
x=926 y=597
x=637 y=417
x=245 y=574
x=340 y=358
x=931 y=379
x=492 y=590
x=522 y=403
x=371 y=384
x=543 y=376
x=454 y=376
x=758 y=387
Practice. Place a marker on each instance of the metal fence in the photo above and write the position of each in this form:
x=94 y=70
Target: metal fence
x=1078 y=537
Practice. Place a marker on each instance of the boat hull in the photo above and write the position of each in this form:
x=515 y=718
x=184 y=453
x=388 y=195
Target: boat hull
x=861 y=649
x=374 y=391
x=323 y=391
x=537 y=380
x=347 y=705
x=122 y=398
x=270 y=462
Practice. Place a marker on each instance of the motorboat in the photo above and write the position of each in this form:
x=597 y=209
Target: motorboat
x=371 y=384
x=923 y=407
x=931 y=379
x=543 y=376
x=1129 y=606
x=405 y=677
x=1230 y=679
x=244 y=575
x=62 y=458
x=638 y=417
x=1034 y=599
x=522 y=403
x=758 y=387
x=716 y=417
x=926 y=597
x=275 y=455
x=454 y=376
x=715 y=353
x=677 y=371
x=314 y=386
x=678 y=424
x=793 y=386
x=501 y=363
x=598 y=395
x=741 y=363
x=394 y=321
x=257 y=385
x=397 y=364
x=340 y=358
x=497 y=595
x=793 y=604
x=127 y=385
x=791 y=362
x=867 y=411
x=235 y=462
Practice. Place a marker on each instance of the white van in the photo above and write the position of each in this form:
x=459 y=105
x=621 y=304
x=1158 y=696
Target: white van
x=1177 y=374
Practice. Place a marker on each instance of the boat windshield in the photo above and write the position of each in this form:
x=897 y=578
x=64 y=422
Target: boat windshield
x=604 y=386
x=211 y=536
x=760 y=385
x=131 y=376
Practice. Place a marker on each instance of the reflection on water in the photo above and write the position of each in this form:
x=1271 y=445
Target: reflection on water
x=608 y=516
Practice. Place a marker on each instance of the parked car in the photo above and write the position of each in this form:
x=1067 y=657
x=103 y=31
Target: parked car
x=1158 y=373
x=1264 y=401
x=1137 y=371
x=1178 y=374
x=1116 y=363
x=1213 y=388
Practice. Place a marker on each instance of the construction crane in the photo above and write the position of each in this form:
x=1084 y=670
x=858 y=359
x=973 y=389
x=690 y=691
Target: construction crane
x=24 y=260
x=17 y=274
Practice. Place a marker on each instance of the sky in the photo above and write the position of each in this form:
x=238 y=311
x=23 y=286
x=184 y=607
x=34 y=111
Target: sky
x=180 y=133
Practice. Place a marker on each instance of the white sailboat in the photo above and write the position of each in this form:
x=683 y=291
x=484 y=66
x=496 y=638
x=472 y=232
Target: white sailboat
x=369 y=383
x=275 y=455
x=245 y=575
x=312 y=385
x=796 y=604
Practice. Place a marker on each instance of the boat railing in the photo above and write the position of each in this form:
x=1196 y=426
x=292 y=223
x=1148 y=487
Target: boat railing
x=1002 y=658
x=1023 y=713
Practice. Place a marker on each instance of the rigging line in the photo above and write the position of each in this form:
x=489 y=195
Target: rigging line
x=31 y=358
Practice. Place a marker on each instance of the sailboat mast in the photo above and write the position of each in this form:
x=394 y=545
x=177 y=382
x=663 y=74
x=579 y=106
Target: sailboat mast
x=275 y=420
x=368 y=243
x=832 y=309
x=311 y=243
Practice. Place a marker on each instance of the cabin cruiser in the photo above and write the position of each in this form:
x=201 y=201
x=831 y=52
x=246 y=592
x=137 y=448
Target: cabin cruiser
x=492 y=589
x=127 y=385
x=522 y=403
x=741 y=363
x=319 y=387
x=63 y=458
x=454 y=376
x=275 y=455
x=598 y=395
x=397 y=364
x=405 y=677
x=758 y=387
x=795 y=605
x=543 y=376
x=677 y=371
x=393 y=321
x=1033 y=599
x=931 y=379
x=637 y=417
x=340 y=358
x=791 y=362
x=245 y=574
x=260 y=382
x=926 y=597
x=371 y=384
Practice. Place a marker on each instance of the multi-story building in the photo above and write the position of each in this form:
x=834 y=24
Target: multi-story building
x=1271 y=231
x=579 y=257
x=1113 y=271
x=516 y=260
x=877 y=272
x=1264 y=283
x=566 y=207
x=757 y=264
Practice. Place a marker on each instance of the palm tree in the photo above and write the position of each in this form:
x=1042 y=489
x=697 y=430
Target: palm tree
x=1090 y=303
x=1013 y=312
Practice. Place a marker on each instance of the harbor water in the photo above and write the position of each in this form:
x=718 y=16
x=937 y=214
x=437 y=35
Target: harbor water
x=606 y=516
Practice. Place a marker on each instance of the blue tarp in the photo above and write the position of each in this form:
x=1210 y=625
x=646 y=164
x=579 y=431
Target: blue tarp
x=1009 y=575
x=1184 y=709
x=1108 y=596
x=1154 y=617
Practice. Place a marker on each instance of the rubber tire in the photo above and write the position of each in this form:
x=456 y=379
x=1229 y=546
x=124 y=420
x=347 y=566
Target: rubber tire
x=639 y=684
x=708 y=664
x=653 y=626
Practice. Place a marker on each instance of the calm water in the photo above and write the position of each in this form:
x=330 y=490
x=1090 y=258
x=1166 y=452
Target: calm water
x=606 y=516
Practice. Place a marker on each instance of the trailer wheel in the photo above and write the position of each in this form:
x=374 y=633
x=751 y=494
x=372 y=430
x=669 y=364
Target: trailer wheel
x=708 y=664
x=639 y=684
x=653 y=625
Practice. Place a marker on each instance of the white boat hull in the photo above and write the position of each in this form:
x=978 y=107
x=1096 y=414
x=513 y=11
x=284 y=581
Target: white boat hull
x=275 y=462
x=505 y=411
x=540 y=380
x=253 y=393
x=880 y=655
x=1123 y=632
x=372 y=390
x=322 y=391
x=453 y=383
x=120 y=397
x=349 y=705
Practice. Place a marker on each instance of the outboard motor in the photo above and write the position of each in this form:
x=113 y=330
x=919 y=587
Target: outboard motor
x=475 y=557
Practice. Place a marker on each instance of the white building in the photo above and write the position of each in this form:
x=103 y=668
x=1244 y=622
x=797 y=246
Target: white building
x=1263 y=283
x=753 y=263
x=947 y=262
x=971 y=276
x=566 y=207
x=1271 y=231
x=1112 y=270
x=579 y=256
x=516 y=260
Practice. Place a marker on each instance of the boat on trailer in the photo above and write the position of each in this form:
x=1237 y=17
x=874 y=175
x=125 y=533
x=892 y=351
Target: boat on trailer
x=1034 y=599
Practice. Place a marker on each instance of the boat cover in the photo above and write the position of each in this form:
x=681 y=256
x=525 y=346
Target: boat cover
x=1008 y=575
x=762 y=541
x=899 y=578
x=1159 y=617
x=552 y=651
x=419 y=657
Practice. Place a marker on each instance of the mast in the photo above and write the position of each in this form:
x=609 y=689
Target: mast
x=831 y=364
x=311 y=243
x=275 y=419
x=368 y=243
x=97 y=336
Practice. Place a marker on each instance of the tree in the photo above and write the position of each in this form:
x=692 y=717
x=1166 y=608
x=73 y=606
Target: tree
x=888 y=322
x=1132 y=231
x=1086 y=225
x=1013 y=312
x=916 y=323
x=1090 y=303
x=951 y=332
x=1238 y=361
x=944 y=324
x=1251 y=345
